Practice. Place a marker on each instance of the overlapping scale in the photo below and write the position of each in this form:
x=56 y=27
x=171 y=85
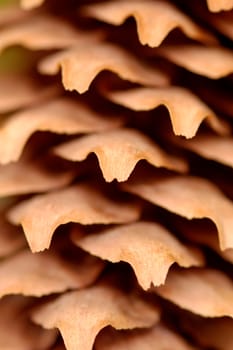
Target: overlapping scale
x=154 y=19
x=206 y=292
x=81 y=203
x=186 y=196
x=81 y=64
x=186 y=110
x=146 y=239
x=41 y=32
x=26 y=177
x=45 y=273
x=212 y=147
x=118 y=152
x=211 y=61
x=61 y=116
x=80 y=315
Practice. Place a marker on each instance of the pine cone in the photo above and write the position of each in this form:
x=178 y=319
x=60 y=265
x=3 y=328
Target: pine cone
x=116 y=162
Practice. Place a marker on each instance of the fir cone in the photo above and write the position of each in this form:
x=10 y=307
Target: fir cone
x=116 y=160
